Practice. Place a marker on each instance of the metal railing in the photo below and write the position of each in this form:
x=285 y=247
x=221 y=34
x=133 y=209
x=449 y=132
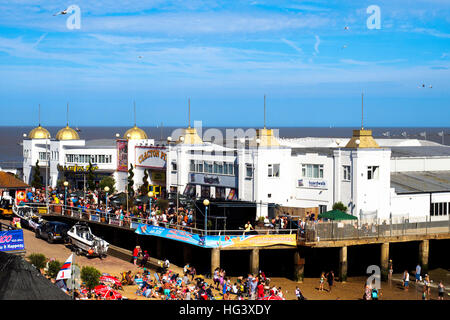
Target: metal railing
x=311 y=232
x=334 y=231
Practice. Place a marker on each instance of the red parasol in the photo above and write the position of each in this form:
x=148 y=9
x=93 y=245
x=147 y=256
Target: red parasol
x=272 y=297
x=105 y=279
x=107 y=292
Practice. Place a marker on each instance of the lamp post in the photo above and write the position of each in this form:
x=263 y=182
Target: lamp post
x=106 y=190
x=206 y=203
x=150 y=196
x=66 y=184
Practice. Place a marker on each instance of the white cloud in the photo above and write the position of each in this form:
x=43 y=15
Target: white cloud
x=316 y=45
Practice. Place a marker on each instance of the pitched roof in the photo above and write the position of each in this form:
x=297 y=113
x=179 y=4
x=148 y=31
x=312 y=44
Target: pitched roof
x=8 y=181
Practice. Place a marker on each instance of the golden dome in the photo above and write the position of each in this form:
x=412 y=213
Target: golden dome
x=135 y=133
x=67 y=133
x=39 y=133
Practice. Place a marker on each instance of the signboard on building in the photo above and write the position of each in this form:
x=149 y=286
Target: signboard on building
x=77 y=168
x=151 y=157
x=122 y=155
x=315 y=184
x=213 y=180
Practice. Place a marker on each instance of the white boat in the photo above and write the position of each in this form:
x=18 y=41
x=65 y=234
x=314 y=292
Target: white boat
x=28 y=216
x=84 y=241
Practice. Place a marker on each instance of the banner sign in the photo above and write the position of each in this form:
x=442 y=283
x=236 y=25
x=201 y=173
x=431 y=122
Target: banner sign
x=20 y=196
x=122 y=155
x=11 y=240
x=151 y=157
x=218 y=241
x=317 y=184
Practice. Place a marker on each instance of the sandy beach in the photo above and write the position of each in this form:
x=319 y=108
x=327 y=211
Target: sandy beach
x=352 y=289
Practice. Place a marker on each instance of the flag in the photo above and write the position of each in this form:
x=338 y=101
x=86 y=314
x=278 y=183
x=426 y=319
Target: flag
x=441 y=133
x=66 y=270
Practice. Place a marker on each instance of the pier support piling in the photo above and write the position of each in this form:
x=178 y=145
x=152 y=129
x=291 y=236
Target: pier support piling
x=343 y=264
x=215 y=259
x=299 y=267
x=424 y=251
x=384 y=261
x=254 y=261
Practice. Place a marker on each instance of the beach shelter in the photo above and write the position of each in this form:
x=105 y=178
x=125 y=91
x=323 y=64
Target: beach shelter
x=19 y=280
x=336 y=215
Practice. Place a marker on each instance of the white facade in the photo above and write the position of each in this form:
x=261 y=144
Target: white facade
x=300 y=173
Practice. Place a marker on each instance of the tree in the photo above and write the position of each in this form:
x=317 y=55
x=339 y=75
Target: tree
x=37 y=178
x=130 y=181
x=144 y=188
x=90 y=276
x=90 y=177
x=110 y=182
x=339 y=206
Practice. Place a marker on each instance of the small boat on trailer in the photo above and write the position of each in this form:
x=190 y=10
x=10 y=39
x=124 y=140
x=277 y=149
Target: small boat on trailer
x=84 y=241
x=28 y=216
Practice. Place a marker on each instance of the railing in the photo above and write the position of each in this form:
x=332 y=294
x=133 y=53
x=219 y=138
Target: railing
x=333 y=231
x=311 y=232
x=133 y=222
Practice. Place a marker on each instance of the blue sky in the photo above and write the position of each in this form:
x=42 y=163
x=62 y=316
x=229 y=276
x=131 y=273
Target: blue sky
x=224 y=56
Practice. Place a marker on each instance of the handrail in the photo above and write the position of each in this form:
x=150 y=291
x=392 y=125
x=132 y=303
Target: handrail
x=311 y=232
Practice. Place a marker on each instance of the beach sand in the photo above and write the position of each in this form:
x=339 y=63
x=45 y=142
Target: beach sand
x=352 y=289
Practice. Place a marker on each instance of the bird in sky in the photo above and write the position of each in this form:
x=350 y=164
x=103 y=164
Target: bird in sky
x=346 y=28
x=344 y=46
x=61 y=12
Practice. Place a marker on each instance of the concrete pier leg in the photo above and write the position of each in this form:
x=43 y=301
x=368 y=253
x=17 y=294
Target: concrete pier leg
x=187 y=254
x=215 y=259
x=424 y=251
x=158 y=248
x=254 y=261
x=299 y=267
x=343 y=264
x=384 y=261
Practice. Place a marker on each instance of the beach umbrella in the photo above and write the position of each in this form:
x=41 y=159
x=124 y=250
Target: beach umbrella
x=105 y=279
x=272 y=297
x=106 y=292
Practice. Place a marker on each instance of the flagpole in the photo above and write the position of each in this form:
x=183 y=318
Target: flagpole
x=73 y=280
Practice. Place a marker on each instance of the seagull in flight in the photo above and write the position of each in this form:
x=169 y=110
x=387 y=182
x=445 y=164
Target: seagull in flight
x=61 y=12
x=346 y=28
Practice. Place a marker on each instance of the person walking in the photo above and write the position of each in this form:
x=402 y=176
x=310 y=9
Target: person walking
x=145 y=258
x=418 y=270
x=321 y=281
x=441 y=290
x=391 y=270
x=406 y=280
x=330 y=280
x=136 y=252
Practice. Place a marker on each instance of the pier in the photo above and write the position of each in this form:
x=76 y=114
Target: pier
x=316 y=236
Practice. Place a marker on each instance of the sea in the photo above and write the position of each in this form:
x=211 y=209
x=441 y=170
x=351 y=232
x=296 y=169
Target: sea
x=11 y=136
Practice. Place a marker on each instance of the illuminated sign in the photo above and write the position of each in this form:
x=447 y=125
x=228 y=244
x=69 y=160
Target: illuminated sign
x=77 y=168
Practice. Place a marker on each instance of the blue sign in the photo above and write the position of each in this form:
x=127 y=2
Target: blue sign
x=11 y=240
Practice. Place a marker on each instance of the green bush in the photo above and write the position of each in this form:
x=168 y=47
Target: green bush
x=339 y=206
x=90 y=276
x=38 y=260
x=53 y=268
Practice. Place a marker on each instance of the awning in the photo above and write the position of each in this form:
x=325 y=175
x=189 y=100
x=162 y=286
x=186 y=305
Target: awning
x=337 y=215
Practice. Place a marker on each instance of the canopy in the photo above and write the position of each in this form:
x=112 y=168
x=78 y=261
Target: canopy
x=19 y=280
x=337 y=215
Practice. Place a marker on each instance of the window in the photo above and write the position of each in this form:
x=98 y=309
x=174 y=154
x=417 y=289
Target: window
x=312 y=171
x=43 y=157
x=347 y=173
x=273 y=170
x=248 y=170
x=192 y=166
x=174 y=166
x=208 y=167
x=218 y=167
x=372 y=172
x=439 y=209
